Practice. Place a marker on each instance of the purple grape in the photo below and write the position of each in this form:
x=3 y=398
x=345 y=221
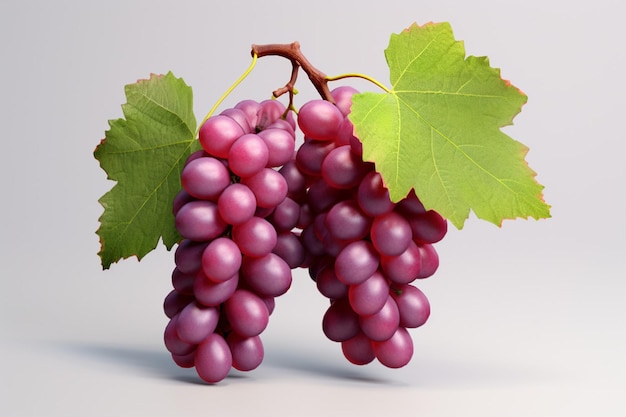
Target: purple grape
x=396 y=351
x=328 y=284
x=237 y=204
x=296 y=181
x=183 y=281
x=256 y=237
x=251 y=109
x=268 y=276
x=185 y=361
x=346 y=221
x=340 y=322
x=195 y=322
x=218 y=134
x=290 y=249
x=174 y=302
x=173 y=342
x=269 y=187
x=428 y=227
x=320 y=119
x=248 y=155
x=391 y=234
x=247 y=352
x=205 y=178
x=403 y=268
x=270 y=111
x=311 y=154
x=372 y=196
x=343 y=98
x=413 y=305
x=247 y=313
x=343 y=169
x=356 y=262
x=429 y=260
x=199 y=221
x=370 y=296
x=381 y=325
x=213 y=358
x=211 y=293
x=286 y=215
x=188 y=255
x=240 y=117
x=358 y=349
x=280 y=144
x=221 y=259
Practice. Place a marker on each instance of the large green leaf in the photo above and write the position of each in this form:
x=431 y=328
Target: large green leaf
x=439 y=131
x=145 y=152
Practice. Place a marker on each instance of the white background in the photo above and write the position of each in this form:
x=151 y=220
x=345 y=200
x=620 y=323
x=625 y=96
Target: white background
x=527 y=320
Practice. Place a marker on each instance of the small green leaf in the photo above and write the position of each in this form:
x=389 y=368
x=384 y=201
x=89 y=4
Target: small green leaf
x=439 y=131
x=145 y=152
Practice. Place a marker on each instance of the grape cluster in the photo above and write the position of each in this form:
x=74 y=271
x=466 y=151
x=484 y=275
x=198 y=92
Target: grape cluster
x=252 y=208
x=230 y=264
x=364 y=250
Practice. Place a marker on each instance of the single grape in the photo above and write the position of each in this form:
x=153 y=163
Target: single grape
x=268 y=276
x=286 y=215
x=319 y=119
x=211 y=293
x=205 y=178
x=213 y=358
x=290 y=249
x=396 y=351
x=391 y=234
x=403 y=268
x=218 y=134
x=356 y=262
x=174 y=302
x=346 y=221
x=413 y=305
x=382 y=324
x=358 y=349
x=428 y=227
x=429 y=260
x=340 y=322
x=343 y=98
x=173 y=343
x=188 y=255
x=311 y=154
x=269 y=187
x=342 y=169
x=251 y=109
x=199 y=221
x=195 y=322
x=280 y=144
x=221 y=259
x=370 y=296
x=248 y=155
x=247 y=352
x=241 y=117
x=183 y=281
x=372 y=196
x=328 y=284
x=237 y=204
x=247 y=313
x=256 y=237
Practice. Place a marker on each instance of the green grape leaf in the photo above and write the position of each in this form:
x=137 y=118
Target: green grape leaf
x=144 y=153
x=438 y=131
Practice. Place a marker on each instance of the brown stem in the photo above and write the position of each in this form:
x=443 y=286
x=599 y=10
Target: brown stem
x=292 y=52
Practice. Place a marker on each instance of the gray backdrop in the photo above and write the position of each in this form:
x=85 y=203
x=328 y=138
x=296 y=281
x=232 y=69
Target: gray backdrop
x=527 y=320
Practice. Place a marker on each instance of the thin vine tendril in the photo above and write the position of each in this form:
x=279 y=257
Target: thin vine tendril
x=230 y=89
x=356 y=75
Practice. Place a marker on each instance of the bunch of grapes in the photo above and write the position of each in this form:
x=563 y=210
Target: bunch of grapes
x=252 y=209
x=227 y=274
x=366 y=250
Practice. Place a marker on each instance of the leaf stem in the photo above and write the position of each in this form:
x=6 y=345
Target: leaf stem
x=357 y=75
x=230 y=89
